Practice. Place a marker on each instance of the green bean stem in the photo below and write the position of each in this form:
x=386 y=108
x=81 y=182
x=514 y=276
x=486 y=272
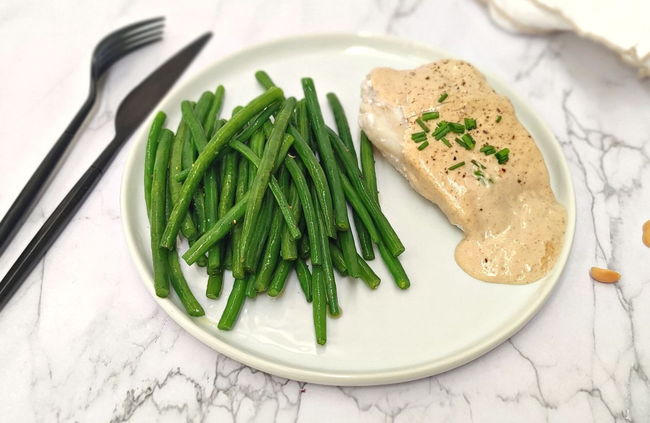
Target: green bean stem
x=261 y=234
x=289 y=247
x=368 y=165
x=366 y=273
x=250 y=287
x=241 y=192
x=357 y=204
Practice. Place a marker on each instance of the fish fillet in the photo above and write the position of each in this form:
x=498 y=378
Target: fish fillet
x=513 y=225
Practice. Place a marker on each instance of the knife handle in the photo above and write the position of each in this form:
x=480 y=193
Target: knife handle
x=48 y=233
x=19 y=210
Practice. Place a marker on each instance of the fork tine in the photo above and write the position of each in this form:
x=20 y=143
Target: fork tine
x=129 y=39
x=143 y=42
x=107 y=41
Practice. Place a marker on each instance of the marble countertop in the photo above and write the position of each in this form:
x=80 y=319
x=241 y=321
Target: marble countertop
x=83 y=340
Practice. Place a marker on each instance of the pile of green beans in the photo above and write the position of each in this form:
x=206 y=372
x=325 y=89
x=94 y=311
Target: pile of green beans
x=263 y=194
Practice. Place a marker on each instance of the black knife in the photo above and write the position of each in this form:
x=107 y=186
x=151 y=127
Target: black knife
x=132 y=112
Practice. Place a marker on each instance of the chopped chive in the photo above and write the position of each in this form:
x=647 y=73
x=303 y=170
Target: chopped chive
x=442 y=130
x=469 y=141
x=498 y=118
x=462 y=143
x=423 y=145
x=470 y=124
x=430 y=116
x=457 y=127
x=442 y=97
x=485 y=148
x=419 y=136
x=477 y=164
x=423 y=125
x=444 y=140
x=457 y=165
x=502 y=155
x=489 y=151
x=479 y=173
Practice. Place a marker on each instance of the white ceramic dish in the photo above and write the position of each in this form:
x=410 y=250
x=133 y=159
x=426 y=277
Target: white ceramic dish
x=444 y=320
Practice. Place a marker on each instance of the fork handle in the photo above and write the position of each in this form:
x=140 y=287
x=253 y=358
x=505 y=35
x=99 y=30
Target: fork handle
x=48 y=233
x=20 y=209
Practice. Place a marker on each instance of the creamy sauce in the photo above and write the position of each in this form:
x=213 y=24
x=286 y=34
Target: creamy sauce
x=514 y=228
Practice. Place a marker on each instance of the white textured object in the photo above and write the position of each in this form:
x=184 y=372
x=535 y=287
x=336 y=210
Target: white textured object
x=621 y=26
x=526 y=16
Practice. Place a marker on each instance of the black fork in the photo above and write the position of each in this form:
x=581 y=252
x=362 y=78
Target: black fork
x=109 y=50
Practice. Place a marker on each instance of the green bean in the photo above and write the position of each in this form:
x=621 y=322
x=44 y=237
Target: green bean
x=386 y=231
x=304 y=277
x=218 y=141
x=349 y=252
x=227 y=262
x=275 y=189
x=309 y=209
x=328 y=269
x=206 y=206
x=258 y=122
x=261 y=234
x=394 y=267
x=264 y=79
x=368 y=165
x=228 y=183
x=158 y=202
x=319 y=305
x=218 y=231
x=213 y=114
x=234 y=305
x=263 y=174
x=250 y=287
x=270 y=256
x=326 y=154
x=304 y=250
x=267 y=128
x=175 y=163
x=150 y=156
x=341 y=122
x=241 y=192
x=215 y=284
x=257 y=146
x=179 y=283
x=337 y=260
x=366 y=273
x=318 y=177
x=189 y=154
x=368 y=171
x=236 y=110
x=289 y=246
x=282 y=272
x=357 y=204
x=182 y=175
x=287 y=141
x=345 y=135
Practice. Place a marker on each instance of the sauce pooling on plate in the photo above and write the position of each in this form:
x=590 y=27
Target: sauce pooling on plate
x=514 y=227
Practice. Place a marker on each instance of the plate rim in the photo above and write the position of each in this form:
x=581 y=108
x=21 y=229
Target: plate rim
x=335 y=378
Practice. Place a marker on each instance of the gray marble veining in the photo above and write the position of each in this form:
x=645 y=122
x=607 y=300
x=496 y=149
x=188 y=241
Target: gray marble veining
x=84 y=341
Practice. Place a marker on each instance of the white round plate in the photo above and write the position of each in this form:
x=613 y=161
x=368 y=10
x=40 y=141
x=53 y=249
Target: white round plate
x=444 y=320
